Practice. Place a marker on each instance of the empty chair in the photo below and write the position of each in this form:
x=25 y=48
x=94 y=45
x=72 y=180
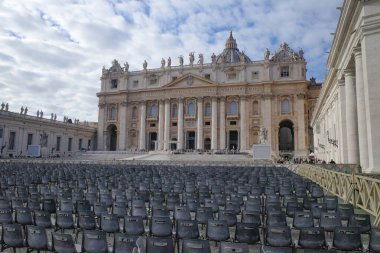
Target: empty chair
x=374 y=240
x=247 y=233
x=66 y=205
x=233 y=205
x=320 y=251
x=307 y=202
x=42 y=219
x=109 y=223
x=251 y=217
x=316 y=191
x=329 y=221
x=64 y=220
x=17 y=202
x=317 y=209
x=160 y=226
x=34 y=204
x=160 y=211
x=192 y=204
x=195 y=246
x=213 y=204
x=303 y=220
x=278 y=236
x=331 y=202
x=182 y=213
x=233 y=247
x=204 y=214
x=124 y=243
x=186 y=229
x=94 y=241
x=345 y=211
x=292 y=208
x=276 y=218
x=362 y=221
x=217 y=230
x=270 y=249
x=63 y=243
x=229 y=216
x=253 y=205
x=347 y=238
x=159 y=245
x=6 y=216
x=85 y=221
x=100 y=208
x=133 y=225
x=120 y=209
x=312 y=238
x=12 y=237
x=48 y=205
x=82 y=206
x=36 y=238
x=4 y=203
x=23 y=216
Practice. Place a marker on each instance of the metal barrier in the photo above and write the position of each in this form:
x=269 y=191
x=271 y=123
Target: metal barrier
x=361 y=191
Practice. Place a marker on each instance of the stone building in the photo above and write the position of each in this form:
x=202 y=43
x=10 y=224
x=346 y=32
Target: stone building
x=347 y=115
x=56 y=138
x=230 y=103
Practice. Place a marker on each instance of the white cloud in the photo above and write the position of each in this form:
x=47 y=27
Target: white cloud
x=52 y=52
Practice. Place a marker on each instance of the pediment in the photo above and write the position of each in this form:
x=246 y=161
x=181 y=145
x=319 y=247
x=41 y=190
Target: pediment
x=190 y=80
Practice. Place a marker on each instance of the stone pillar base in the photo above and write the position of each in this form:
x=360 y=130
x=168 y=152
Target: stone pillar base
x=262 y=152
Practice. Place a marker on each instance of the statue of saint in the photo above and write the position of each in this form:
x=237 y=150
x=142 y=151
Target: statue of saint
x=6 y=106
x=169 y=62
x=263 y=135
x=162 y=63
x=242 y=56
x=200 y=61
x=213 y=58
x=22 y=110
x=126 y=66
x=191 y=58
x=55 y=116
x=38 y=113
x=41 y=113
x=145 y=65
x=266 y=54
x=300 y=53
x=2 y=106
x=180 y=60
x=26 y=111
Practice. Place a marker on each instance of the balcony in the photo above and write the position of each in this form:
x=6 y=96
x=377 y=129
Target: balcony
x=233 y=115
x=190 y=116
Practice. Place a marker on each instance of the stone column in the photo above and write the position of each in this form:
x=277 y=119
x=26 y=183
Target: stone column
x=101 y=122
x=243 y=124
x=123 y=125
x=142 y=137
x=167 y=125
x=180 y=145
x=222 y=125
x=266 y=112
x=214 y=123
x=351 y=118
x=361 y=110
x=161 y=124
x=200 y=123
x=342 y=143
x=300 y=104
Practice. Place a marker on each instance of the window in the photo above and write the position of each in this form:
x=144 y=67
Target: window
x=174 y=111
x=231 y=76
x=113 y=83
x=58 y=144
x=70 y=144
x=30 y=140
x=208 y=109
x=112 y=113
x=152 y=125
x=255 y=74
x=285 y=107
x=12 y=139
x=208 y=76
x=135 y=83
x=285 y=71
x=174 y=124
x=153 y=111
x=255 y=108
x=134 y=112
x=1 y=133
x=207 y=123
x=89 y=144
x=233 y=109
x=153 y=81
x=191 y=108
x=79 y=144
x=174 y=78
x=233 y=123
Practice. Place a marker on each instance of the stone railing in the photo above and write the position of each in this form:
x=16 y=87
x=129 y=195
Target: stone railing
x=360 y=190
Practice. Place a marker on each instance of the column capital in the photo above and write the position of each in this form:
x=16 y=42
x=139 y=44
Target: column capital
x=357 y=51
x=102 y=105
x=124 y=103
x=180 y=99
x=214 y=98
x=341 y=82
x=222 y=99
x=199 y=99
x=167 y=100
x=349 y=72
x=243 y=97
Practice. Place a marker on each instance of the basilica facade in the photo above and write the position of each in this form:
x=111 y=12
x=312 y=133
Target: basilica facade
x=227 y=104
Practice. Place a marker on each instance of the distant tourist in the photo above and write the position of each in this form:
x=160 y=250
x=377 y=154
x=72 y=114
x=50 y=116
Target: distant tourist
x=332 y=161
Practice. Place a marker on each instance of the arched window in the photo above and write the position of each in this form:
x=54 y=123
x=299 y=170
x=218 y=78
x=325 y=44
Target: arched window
x=233 y=108
x=112 y=113
x=153 y=111
x=174 y=111
x=255 y=108
x=191 y=108
x=208 y=109
x=134 y=112
x=285 y=106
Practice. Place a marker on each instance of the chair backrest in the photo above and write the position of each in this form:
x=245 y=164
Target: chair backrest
x=86 y=220
x=134 y=225
x=362 y=221
x=374 y=240
x=303 y=220
x=6 y=215
x=229 y=216
x=181 y=213
x=64 y=219
x=329 y=221
x=160 y=226
x=279 y=236
x=347 y=238
x=276 y=218
x=187 y=229
x=203 y=214
x=217 y=230
x=42 y=219
x=159 y=245
x=269 y=249
x=36 y=238
x=109 y=223
x=331 y=202
x=195 y=246
x=345 y=211
x=12 y=235
x=94 y=241
x=124 y=243
x=233 y=247
x=63 y=243
x=312 y=238
x=247 y=232
x=251 y=217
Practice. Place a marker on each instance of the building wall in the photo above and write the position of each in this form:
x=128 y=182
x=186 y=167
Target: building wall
x=40 y=128
x=348 y=103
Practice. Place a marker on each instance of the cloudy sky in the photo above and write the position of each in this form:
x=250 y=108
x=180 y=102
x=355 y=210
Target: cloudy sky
x=52 y=52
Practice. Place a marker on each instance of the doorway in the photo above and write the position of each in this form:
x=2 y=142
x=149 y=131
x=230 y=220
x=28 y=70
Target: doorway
x=190 y=140
x=112 y=136
x=152 y=140
x=207 y=144
x=233 y=140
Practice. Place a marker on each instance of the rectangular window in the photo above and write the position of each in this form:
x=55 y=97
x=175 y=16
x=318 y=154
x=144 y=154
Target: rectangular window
x=135 y=83
x=174 y=124
x=12 y=139
x=113 y=83
x=152 y=125
x=1 y=133
x=231 y=76
x=70 y=144
x=255 y=74
x=58 y=144
x=80 y=144
x=207 y=123
x=208 y=76
x=285 y=71
x=112 y=113
x=153 y=81
x=30 y=140
x=174 y=78
x=89 y=144
x=233 y=123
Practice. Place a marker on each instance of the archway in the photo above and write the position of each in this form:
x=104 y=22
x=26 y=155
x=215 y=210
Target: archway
x=112 y=137
x=152 y=140
x=233 y=140
x=173 y=144
x=286 y=137
x=207 y=144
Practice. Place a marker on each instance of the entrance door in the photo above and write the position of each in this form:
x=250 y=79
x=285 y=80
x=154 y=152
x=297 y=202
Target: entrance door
x=190 y=140
x=112 y=131
x=152 y=139
x=233 y=140
x=173 y=145
x=207 y=144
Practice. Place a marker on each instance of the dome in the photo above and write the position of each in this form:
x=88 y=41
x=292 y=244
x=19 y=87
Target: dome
x=231 y=53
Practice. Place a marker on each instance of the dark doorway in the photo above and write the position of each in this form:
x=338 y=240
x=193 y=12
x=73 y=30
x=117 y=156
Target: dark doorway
x=286 y=136
x=173 y=146
x=112 y=136
x=190 y=140
x=152 y=140
x=233 y=140
x=207 y=144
